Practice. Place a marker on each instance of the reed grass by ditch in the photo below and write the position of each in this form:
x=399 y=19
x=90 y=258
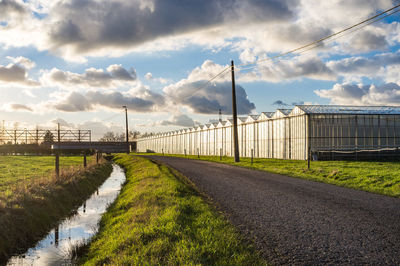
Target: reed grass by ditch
x=33 y=205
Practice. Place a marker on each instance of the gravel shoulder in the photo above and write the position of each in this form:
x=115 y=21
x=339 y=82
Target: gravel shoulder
x=295 y=221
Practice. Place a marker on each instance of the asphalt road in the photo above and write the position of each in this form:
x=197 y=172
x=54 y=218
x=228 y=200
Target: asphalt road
x=295 y=221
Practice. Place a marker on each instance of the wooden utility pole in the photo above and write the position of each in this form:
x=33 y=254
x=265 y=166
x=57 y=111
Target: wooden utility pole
x=234 y=112
x=127 y=130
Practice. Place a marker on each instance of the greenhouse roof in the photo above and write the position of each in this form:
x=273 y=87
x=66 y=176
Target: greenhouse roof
x=345 y=109
x=254 y=117
x=268 y=114
x=285 y=111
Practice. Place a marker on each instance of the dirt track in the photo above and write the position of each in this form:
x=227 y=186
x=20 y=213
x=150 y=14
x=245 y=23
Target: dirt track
x=295 y=221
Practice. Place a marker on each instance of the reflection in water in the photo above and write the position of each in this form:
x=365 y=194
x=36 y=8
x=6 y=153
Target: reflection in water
x=56 y=236
x=56 y=247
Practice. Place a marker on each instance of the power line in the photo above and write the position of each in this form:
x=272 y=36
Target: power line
x=316 y=45
x=214 y=77
x=318 y=42
x=311 y=45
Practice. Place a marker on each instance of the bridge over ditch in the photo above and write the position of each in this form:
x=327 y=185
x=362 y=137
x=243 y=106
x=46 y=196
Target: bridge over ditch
x=101 y=146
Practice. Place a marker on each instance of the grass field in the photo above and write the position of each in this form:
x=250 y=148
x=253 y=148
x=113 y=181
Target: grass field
x=21 y=172
x=160 y=219
x=377 y=177
x=14 y=169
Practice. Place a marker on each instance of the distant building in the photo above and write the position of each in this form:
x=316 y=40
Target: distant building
x=319 y=131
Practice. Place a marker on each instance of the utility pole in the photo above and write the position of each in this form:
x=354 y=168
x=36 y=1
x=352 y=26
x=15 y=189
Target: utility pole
x=234 y=112
x=127 y=130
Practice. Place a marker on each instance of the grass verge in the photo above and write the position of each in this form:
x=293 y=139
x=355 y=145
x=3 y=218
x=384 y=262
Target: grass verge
x=159 y=218
x=34 y=208
x=380 y=177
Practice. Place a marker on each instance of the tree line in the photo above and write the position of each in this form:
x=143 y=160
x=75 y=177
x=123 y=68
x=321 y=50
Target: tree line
x=116 y=137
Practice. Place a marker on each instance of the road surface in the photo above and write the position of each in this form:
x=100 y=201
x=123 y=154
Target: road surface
x=295 y=221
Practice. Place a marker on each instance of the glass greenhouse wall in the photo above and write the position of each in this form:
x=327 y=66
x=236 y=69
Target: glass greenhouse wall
x=322 y=132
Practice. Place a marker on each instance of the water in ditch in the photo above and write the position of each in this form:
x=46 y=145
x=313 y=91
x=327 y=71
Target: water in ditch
x=55 y=248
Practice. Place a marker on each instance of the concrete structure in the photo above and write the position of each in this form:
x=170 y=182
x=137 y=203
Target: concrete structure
x=320 y=131
x=101 y=146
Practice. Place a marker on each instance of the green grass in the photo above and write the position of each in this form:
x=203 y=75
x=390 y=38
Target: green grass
x=159 y=218
x=20 y=174
x=18 y=169
x=31 y=206
x=376 y=177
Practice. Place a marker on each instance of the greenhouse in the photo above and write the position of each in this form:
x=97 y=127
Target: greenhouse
x=315 y=131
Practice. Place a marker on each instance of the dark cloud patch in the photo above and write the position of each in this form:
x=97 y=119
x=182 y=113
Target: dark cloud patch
x=88 y=25
x=209 y=99
x=368 y=41
x=20 y=107
x=66 y=32
x=280 y=103
x=364 y=66
x=11 y=7
x=92 y=77
x=313 y=68
x=262 y=10
x=294 y=33
x=201 y=104
x=116 y=100
x=179 y=120
x=120 y=73
x=77 y=102
x=12 y=73
x=384 y=94
x=16 y=74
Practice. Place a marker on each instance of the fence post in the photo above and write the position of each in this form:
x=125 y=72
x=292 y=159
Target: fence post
x=309 y=142
x=162 y=151
x=58 y=151
x=84 y=159
x=198 y=153
x=185 y=152
x=252 y=156
x=57 y=165
x=220 y=154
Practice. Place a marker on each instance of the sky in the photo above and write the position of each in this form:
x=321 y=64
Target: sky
x=77 y=62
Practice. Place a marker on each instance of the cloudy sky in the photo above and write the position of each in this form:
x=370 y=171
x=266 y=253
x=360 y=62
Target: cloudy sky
x=78 y=61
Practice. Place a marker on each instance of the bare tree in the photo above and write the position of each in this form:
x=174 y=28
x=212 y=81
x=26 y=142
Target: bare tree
x=111 y=137
x=146 y=134
x=133 y=134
